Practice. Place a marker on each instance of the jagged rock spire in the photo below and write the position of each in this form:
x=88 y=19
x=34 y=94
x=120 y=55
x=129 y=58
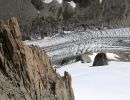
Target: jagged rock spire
x=26 y=72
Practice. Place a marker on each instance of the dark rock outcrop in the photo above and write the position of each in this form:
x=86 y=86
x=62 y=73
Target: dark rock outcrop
x=26 y=72
x=67 y=60
x=100 y=60
x=84 y=58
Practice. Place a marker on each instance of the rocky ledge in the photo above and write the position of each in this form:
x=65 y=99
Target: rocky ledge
x=26 y=72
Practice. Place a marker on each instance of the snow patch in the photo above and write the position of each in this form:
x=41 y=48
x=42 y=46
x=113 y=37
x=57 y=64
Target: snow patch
x=47 y=1
x=72 y=4
x=60 y=1
x=100 y=1
x=112 y=56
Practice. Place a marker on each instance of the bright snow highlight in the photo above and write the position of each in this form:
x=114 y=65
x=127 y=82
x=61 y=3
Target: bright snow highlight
x=60 y=1
x=110 y=82
x=47 y=1
x=72 y=4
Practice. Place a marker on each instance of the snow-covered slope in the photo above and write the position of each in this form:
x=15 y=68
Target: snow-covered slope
x=110 y=82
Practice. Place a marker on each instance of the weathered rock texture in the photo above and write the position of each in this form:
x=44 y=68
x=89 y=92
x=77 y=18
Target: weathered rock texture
x=39 y=19
x=26 y=72
x=100 y=60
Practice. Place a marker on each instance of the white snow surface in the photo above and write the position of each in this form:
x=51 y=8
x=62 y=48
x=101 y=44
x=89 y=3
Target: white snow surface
x=72 y=4
x=111 y=82
x=60 y=1
x=47 y=1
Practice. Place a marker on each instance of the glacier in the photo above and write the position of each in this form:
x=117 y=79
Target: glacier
x=65 y=45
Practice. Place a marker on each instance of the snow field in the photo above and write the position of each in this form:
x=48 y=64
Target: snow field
x=111 y=82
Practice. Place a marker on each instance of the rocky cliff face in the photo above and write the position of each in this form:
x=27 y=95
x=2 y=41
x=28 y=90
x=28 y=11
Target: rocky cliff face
x=26 y=72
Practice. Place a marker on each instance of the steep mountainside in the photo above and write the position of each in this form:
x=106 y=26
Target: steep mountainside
x=35 y=16
x=26 y=73
x=87 y=14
